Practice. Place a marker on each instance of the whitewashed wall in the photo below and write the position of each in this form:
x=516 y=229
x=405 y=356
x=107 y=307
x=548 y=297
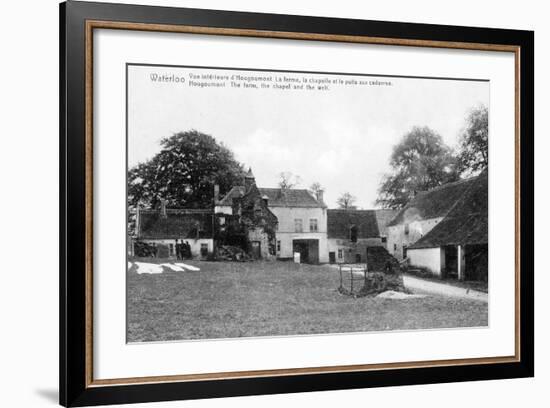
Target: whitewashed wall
x=397 y=238
x=286 y=232
x=433 y=259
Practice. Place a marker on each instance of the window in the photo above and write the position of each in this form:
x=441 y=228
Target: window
x=171 y=250
x=298 y=227
x=384 y=240
x=204 y=249
x=313 y=227
x=340 y=254
x=406 y=229
x=278 y=246
x=394 y=247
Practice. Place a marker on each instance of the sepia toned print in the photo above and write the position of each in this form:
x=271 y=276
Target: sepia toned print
x=270 y=203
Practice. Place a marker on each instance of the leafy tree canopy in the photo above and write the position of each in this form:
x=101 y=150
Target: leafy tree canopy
x=473 y=154
x=421 y=161
x=184 y=172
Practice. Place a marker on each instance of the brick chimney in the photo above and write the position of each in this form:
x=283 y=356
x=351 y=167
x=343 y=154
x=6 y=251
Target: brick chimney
x=320 y=196
x=163 y=208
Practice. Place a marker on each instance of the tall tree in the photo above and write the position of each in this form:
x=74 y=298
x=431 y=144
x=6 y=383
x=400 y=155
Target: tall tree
x=346 y=201
x=288 y=180
x=184 y=172
x=419 y=162
x=473 y=153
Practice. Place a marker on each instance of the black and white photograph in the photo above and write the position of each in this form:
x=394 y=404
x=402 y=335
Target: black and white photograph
x=284 y=203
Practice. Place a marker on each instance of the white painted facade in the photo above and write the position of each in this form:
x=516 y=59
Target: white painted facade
x=288 y=229
x=402 y=235
x=432 y=259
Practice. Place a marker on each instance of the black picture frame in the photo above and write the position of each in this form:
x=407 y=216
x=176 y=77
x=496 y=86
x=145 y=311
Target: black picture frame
x=75 y=388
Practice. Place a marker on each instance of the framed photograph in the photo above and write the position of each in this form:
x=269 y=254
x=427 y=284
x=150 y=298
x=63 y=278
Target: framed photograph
x=256 y=203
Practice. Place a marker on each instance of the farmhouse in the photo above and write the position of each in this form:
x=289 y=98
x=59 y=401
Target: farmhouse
x=301 y=219
x=420 y=215
x=445 y=230
x=251 y=219
x=162 y=227
x=351 y=232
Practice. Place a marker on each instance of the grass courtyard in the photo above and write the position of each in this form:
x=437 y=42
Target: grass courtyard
x=227 y=299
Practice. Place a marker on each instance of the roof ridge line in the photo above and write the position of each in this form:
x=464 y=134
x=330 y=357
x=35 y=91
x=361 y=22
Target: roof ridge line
x=451 y=183
x=438 y=188
x=280 y=188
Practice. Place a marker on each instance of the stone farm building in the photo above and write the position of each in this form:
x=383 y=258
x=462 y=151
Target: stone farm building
x=300 y=224
x=445 y=230
x=268 y=223
x=351 y=232
x=164 y=226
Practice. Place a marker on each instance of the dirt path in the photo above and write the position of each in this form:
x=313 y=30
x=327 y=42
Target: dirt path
x=417 y=284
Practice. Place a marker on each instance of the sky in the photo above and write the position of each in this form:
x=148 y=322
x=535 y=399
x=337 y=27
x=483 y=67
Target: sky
x=340 y=135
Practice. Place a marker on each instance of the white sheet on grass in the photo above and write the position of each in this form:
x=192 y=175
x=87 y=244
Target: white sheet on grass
x=144 y=267
x=190 y=267
x=173 y=267
x=151 y=268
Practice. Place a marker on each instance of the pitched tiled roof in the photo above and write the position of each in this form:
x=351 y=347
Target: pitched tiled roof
x=290 y=198
x=433 y=203
x=339 y=223
x=178 y=223
x=466 y=222
x=276 y=197
x=384 y=217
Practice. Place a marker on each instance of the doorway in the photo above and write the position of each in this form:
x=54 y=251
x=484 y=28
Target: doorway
x=450 y=270
x=308 y=249
x=256 y=249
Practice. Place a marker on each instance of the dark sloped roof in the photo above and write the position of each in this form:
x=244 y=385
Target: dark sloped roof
x=290 y=198
x=227 y=200
x=433 y=203
x=178 y=223
x=467 y=221
x=276 y=197
x=339 y=223
x=384 y=217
